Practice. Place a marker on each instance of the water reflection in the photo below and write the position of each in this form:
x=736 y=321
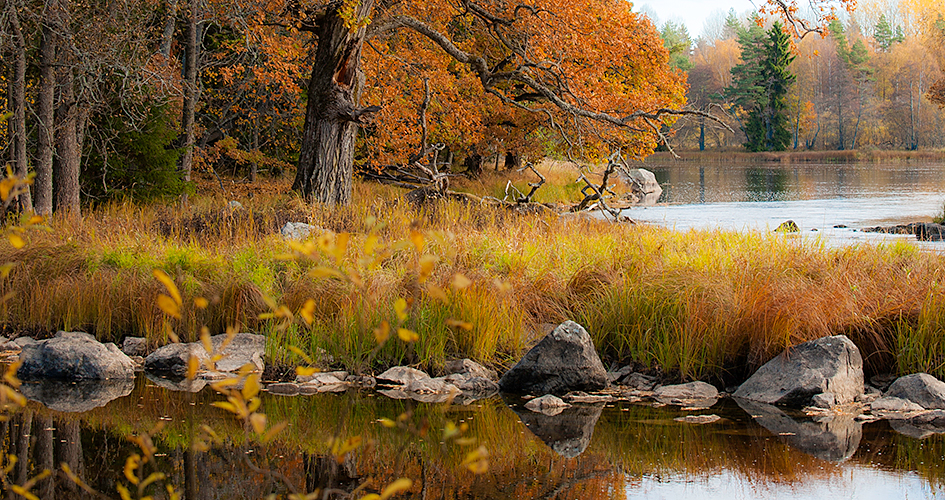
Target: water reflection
x=614 y=451
x=818 y=197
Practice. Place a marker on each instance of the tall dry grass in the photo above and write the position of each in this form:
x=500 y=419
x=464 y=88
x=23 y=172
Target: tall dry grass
x=706 y=304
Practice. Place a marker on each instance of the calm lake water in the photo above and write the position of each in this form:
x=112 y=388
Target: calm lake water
x=614 y=451
x=816 y=196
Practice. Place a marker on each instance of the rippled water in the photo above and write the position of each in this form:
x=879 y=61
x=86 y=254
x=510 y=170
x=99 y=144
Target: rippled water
x=620 y=450
x=817 y=197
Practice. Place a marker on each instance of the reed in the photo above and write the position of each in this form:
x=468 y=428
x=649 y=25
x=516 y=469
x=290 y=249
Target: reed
x=701 y=304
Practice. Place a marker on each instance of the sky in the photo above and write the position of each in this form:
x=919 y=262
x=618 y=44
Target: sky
x=691 y=12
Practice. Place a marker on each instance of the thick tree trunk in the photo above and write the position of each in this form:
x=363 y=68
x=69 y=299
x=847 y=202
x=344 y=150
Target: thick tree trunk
x=68 y=153
x=332 y=115
x=17 y=99
x=45 y=113
x=190 y=93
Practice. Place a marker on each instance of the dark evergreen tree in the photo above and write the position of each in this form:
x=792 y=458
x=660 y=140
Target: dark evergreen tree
x=759 y=87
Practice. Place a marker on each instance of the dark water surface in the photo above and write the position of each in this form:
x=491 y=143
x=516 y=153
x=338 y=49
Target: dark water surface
x=613 y=451
x=816 y=196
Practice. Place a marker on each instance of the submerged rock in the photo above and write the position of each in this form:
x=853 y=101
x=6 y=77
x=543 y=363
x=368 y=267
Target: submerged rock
x=401 y=375
x=698 y=419
x=547 y=404
x=564 y=361
x=693 y=394
x=827 y=365
x=833 y=438
x=76 y=397
x=73 y=356
x=920 y=388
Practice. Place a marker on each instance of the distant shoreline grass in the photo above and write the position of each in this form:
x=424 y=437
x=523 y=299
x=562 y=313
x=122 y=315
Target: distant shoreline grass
x=479 y=282
x=848 y=156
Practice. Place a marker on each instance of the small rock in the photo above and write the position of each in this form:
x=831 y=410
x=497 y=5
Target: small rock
x=584 y=398
x=893 y=405
x=22 y=342
x=320 y=378
x=698 y=419
x=478 y=385
x=824 y=400
x=135 y=346
x=787 y=226
x=641 y=381
x=692 y=390
x=401 y=375
x=471 y=368
x=283 y=389
x=431 y=386
x=298 y=230
x=548 y=404
x=234 y=205
x=882 y=382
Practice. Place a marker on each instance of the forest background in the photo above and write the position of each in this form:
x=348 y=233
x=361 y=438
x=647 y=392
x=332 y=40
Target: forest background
x=146 y=92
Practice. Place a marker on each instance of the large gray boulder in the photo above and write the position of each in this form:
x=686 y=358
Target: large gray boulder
x=172 y=359
x=74 y=356
x=564 y=361
x=831 y=366
x=920 y=388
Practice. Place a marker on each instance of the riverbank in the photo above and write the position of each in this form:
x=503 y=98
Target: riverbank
x=452 y=281
x=801 y=156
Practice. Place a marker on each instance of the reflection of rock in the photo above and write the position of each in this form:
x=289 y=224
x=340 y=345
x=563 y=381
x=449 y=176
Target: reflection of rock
x=564 y=361
x=567 y=433
x=922 y=425
x=833 y=438
x=76 y=397
x=177 y=384
x=74 y=356
x=827 y=365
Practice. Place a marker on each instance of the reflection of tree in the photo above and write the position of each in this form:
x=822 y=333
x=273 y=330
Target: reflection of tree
x=765 y=184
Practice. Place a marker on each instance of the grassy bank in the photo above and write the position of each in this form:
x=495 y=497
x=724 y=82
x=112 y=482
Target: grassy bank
x=475 y=282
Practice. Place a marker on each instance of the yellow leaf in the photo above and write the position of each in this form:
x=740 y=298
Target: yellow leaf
x=455 y=323
x=169 y=284
x=465 y=441
x=19 y=490
x=155 y=476
x=251 y=386
x=258 y=421
x=407 y=335
x=341 y=246
x=386 y=422
x=274 y=430
x=205 y=340
x=370 y=245
x=193 y=365
x=437 y=293
x=300 y=353
x=398 y=486
x=476 y=461
x=305 y=371
x=461 y=282
x=17 y=241
x=168 y=305
x=417 y=239
x=201 y=303
x=371 y=496
x=450 y=431
x=426 y=266
x=36 y=219
x=382 y=332
x=230 y=407
x=341 y=448
x=479 y=467
x=123 y=492
x=308 y=311
x=502 y=286
x=5 y=269
x=6 y=185
x=321 y=272
x=172 y=495
x=400 y=307
x=131 y=465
